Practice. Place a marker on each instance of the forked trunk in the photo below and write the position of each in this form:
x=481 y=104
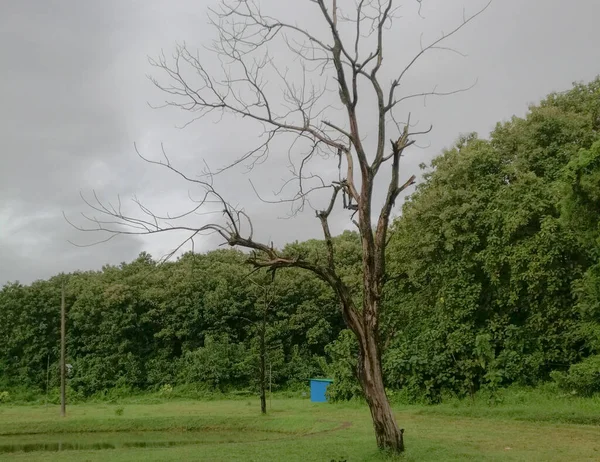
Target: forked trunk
x=389 y=436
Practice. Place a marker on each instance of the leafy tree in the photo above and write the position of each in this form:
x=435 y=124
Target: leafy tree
x=342 y=367
x=218 y=363
x=489 y=250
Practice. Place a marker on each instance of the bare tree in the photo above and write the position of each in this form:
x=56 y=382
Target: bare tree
x=343 y=57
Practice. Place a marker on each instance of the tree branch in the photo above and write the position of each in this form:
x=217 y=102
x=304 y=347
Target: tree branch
x=432 y=46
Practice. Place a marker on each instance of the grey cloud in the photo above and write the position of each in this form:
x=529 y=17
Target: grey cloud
x=73 y=98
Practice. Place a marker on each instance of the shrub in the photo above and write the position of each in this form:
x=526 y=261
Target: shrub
x=582 y=378
x=165 y=390
x=219 y=363
x=342 y=368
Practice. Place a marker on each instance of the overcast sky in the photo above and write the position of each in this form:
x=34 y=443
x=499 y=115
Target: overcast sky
x=74 y=93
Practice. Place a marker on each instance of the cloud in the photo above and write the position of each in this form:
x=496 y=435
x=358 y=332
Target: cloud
x=74 y=91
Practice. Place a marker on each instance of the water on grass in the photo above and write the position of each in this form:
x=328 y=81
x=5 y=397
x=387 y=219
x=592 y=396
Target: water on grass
x=52 y=447
x=56 y=447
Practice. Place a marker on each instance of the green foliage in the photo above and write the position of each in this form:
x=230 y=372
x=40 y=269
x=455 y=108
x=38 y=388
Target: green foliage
x=493 y=280
x=217 y=364
x=140 y=326
x=166 y=390
x=582 y=378
x=493 y=259
x=342 y=368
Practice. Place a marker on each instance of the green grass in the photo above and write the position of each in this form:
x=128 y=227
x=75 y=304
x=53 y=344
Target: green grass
x=525 y=405
x=523 y=428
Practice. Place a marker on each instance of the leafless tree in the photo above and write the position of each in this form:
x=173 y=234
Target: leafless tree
x=341 y=53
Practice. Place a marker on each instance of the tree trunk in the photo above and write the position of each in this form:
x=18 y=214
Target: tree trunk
x=263 y=373
x=63 y=365
x=389 y=436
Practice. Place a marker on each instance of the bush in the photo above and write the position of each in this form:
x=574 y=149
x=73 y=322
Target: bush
x=23 y=394
x=4 y=396
x=218 y=364
x=298 y=367
x=53 y=396
x=166 y=390
x=342 y=368
x=582 y=378
x=200 y=391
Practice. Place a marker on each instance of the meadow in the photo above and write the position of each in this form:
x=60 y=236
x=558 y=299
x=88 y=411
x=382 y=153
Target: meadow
x=522 y=426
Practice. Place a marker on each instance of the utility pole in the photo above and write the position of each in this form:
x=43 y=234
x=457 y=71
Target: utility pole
x=63 y=367
x=270 y=385
x=263 y=328
x=47 y=379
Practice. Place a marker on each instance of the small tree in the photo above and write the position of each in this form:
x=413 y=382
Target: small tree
x=63 y=348
x=344 y=57
x=263 y=305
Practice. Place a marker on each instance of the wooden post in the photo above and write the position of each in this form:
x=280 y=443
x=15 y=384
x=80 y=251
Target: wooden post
x=47 y=378
x=263 y=372
x=63 y=367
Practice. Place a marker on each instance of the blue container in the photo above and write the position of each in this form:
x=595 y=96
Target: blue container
x=318 y=387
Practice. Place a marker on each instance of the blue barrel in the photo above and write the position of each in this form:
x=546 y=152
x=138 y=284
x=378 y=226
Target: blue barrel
x=318 y=387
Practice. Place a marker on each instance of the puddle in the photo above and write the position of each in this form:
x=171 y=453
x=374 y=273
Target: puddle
x=52 y=447
x=134 y=440
x=57 y=447
x=158 y=444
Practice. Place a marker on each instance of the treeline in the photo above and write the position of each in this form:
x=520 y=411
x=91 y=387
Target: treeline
x=141 y=325
x=497 y=255
x=494 y=278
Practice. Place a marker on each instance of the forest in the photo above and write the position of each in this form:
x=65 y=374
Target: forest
x=493 y=279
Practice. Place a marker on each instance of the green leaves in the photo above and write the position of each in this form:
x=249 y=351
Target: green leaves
x=341 y=367
x=218 y=363
x=143 y=325
x=495 y=252
x=582 y=378
x=493 y=278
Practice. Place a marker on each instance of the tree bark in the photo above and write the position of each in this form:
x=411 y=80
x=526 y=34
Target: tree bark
x=389 y=436
x=263 y=397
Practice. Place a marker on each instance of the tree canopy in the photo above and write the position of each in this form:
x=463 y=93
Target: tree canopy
x=493 y=278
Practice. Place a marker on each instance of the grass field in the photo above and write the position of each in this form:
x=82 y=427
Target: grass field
x=298 y=430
